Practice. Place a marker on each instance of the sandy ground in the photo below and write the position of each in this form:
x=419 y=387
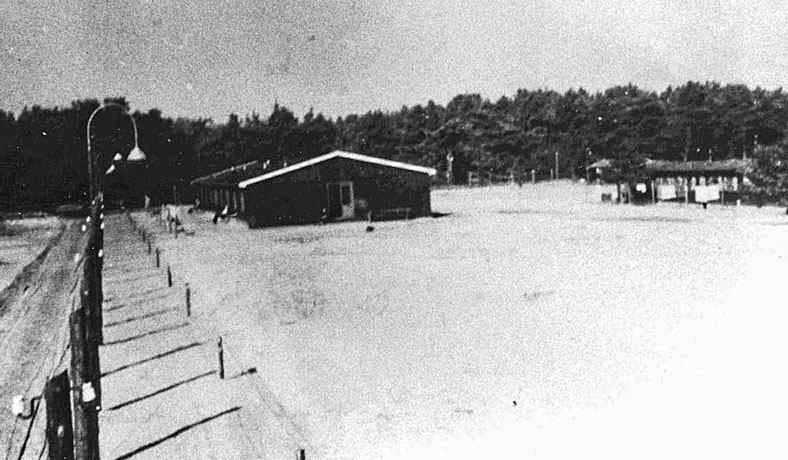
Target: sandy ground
x=33 y=338
x=27 y=238
x=529 y=322
x=162 y=396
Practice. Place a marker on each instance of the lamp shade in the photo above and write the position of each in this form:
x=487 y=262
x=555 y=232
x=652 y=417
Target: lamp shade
x=136 y=154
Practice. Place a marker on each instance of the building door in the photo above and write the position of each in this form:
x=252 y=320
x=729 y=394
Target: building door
x=340 y=200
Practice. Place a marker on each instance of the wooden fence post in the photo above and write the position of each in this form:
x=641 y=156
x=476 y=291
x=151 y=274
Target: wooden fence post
x=85 y=415
x=97 y=294
x=59 y=432
x=221 y=358
x=188 y=300
x=169 y=276
x=157 y=258
x=91 y=327
x=301 y=454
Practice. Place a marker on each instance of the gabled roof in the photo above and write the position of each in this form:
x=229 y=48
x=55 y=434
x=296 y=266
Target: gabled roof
x=231 y=176
x=332 y=155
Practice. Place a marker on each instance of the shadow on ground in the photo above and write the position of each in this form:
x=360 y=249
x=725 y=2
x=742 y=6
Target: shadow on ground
x=153 y=358
x=146 y=334
x=161 y=390
x=139 y=317
x=177 y=433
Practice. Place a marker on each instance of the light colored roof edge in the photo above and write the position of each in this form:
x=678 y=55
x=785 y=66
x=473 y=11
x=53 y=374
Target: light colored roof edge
x=218 y=173
x=383 y=162
x=336 y=154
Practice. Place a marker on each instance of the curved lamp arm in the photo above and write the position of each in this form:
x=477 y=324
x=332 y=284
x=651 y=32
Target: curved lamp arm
x=135 y=151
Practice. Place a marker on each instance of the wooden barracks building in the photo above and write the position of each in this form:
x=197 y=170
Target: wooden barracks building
x=335 y=186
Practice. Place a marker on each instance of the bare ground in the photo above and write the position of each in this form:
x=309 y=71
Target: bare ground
x=34 y=334
x=529 y=322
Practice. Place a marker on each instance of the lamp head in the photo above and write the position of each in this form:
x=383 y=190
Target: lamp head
x=136 y=154
x=118 y=157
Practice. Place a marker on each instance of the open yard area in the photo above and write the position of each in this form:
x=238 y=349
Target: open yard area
x=528 y=321
x=21 y=240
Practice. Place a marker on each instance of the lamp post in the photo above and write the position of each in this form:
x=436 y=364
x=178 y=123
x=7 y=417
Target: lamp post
x=136 y=153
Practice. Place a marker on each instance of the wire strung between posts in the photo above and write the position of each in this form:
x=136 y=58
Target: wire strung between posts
x=43 y=448
x=52 y=369
x=34 y=416
x=29 y=430
x=35 y=377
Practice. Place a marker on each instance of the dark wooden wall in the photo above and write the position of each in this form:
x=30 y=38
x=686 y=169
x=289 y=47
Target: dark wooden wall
x=301 y=196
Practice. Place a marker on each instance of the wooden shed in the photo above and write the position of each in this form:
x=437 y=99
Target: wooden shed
x=335 y=186
x=684 y=181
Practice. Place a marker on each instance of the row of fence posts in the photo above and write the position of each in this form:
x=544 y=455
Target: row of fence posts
x=153 y=249
x=86 y=324
x=75 y=434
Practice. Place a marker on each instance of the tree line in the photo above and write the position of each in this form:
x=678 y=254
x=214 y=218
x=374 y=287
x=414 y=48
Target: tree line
x=43 y=150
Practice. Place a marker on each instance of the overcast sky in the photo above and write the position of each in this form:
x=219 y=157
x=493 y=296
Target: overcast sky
x=209 y=58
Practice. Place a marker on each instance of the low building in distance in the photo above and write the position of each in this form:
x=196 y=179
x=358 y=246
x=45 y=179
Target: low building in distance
x=335 y=186
x=684 y=181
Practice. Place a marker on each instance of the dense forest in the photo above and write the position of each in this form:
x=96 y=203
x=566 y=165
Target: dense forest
x=43 y=150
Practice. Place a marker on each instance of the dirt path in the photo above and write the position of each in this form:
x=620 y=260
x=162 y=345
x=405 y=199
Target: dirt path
x=33 y=336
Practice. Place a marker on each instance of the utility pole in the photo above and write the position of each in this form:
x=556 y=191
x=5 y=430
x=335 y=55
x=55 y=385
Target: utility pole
x=92 y=324
x=91 y=304
x=95 y=255
x=59 y=432
x=86 y=439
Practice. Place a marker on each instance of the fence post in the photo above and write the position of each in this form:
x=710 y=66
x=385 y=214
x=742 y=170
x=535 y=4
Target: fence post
x=221 y=358
x=98 y=269
x=188 y=300
x=91 y=277
x=85 y=415
x=157 y=258
x=169 y=276
x=59 y=432
x=91 y=334
x=301 y=455
x=149 y=246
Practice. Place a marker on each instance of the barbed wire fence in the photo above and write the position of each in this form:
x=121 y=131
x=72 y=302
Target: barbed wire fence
x=77 y=385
